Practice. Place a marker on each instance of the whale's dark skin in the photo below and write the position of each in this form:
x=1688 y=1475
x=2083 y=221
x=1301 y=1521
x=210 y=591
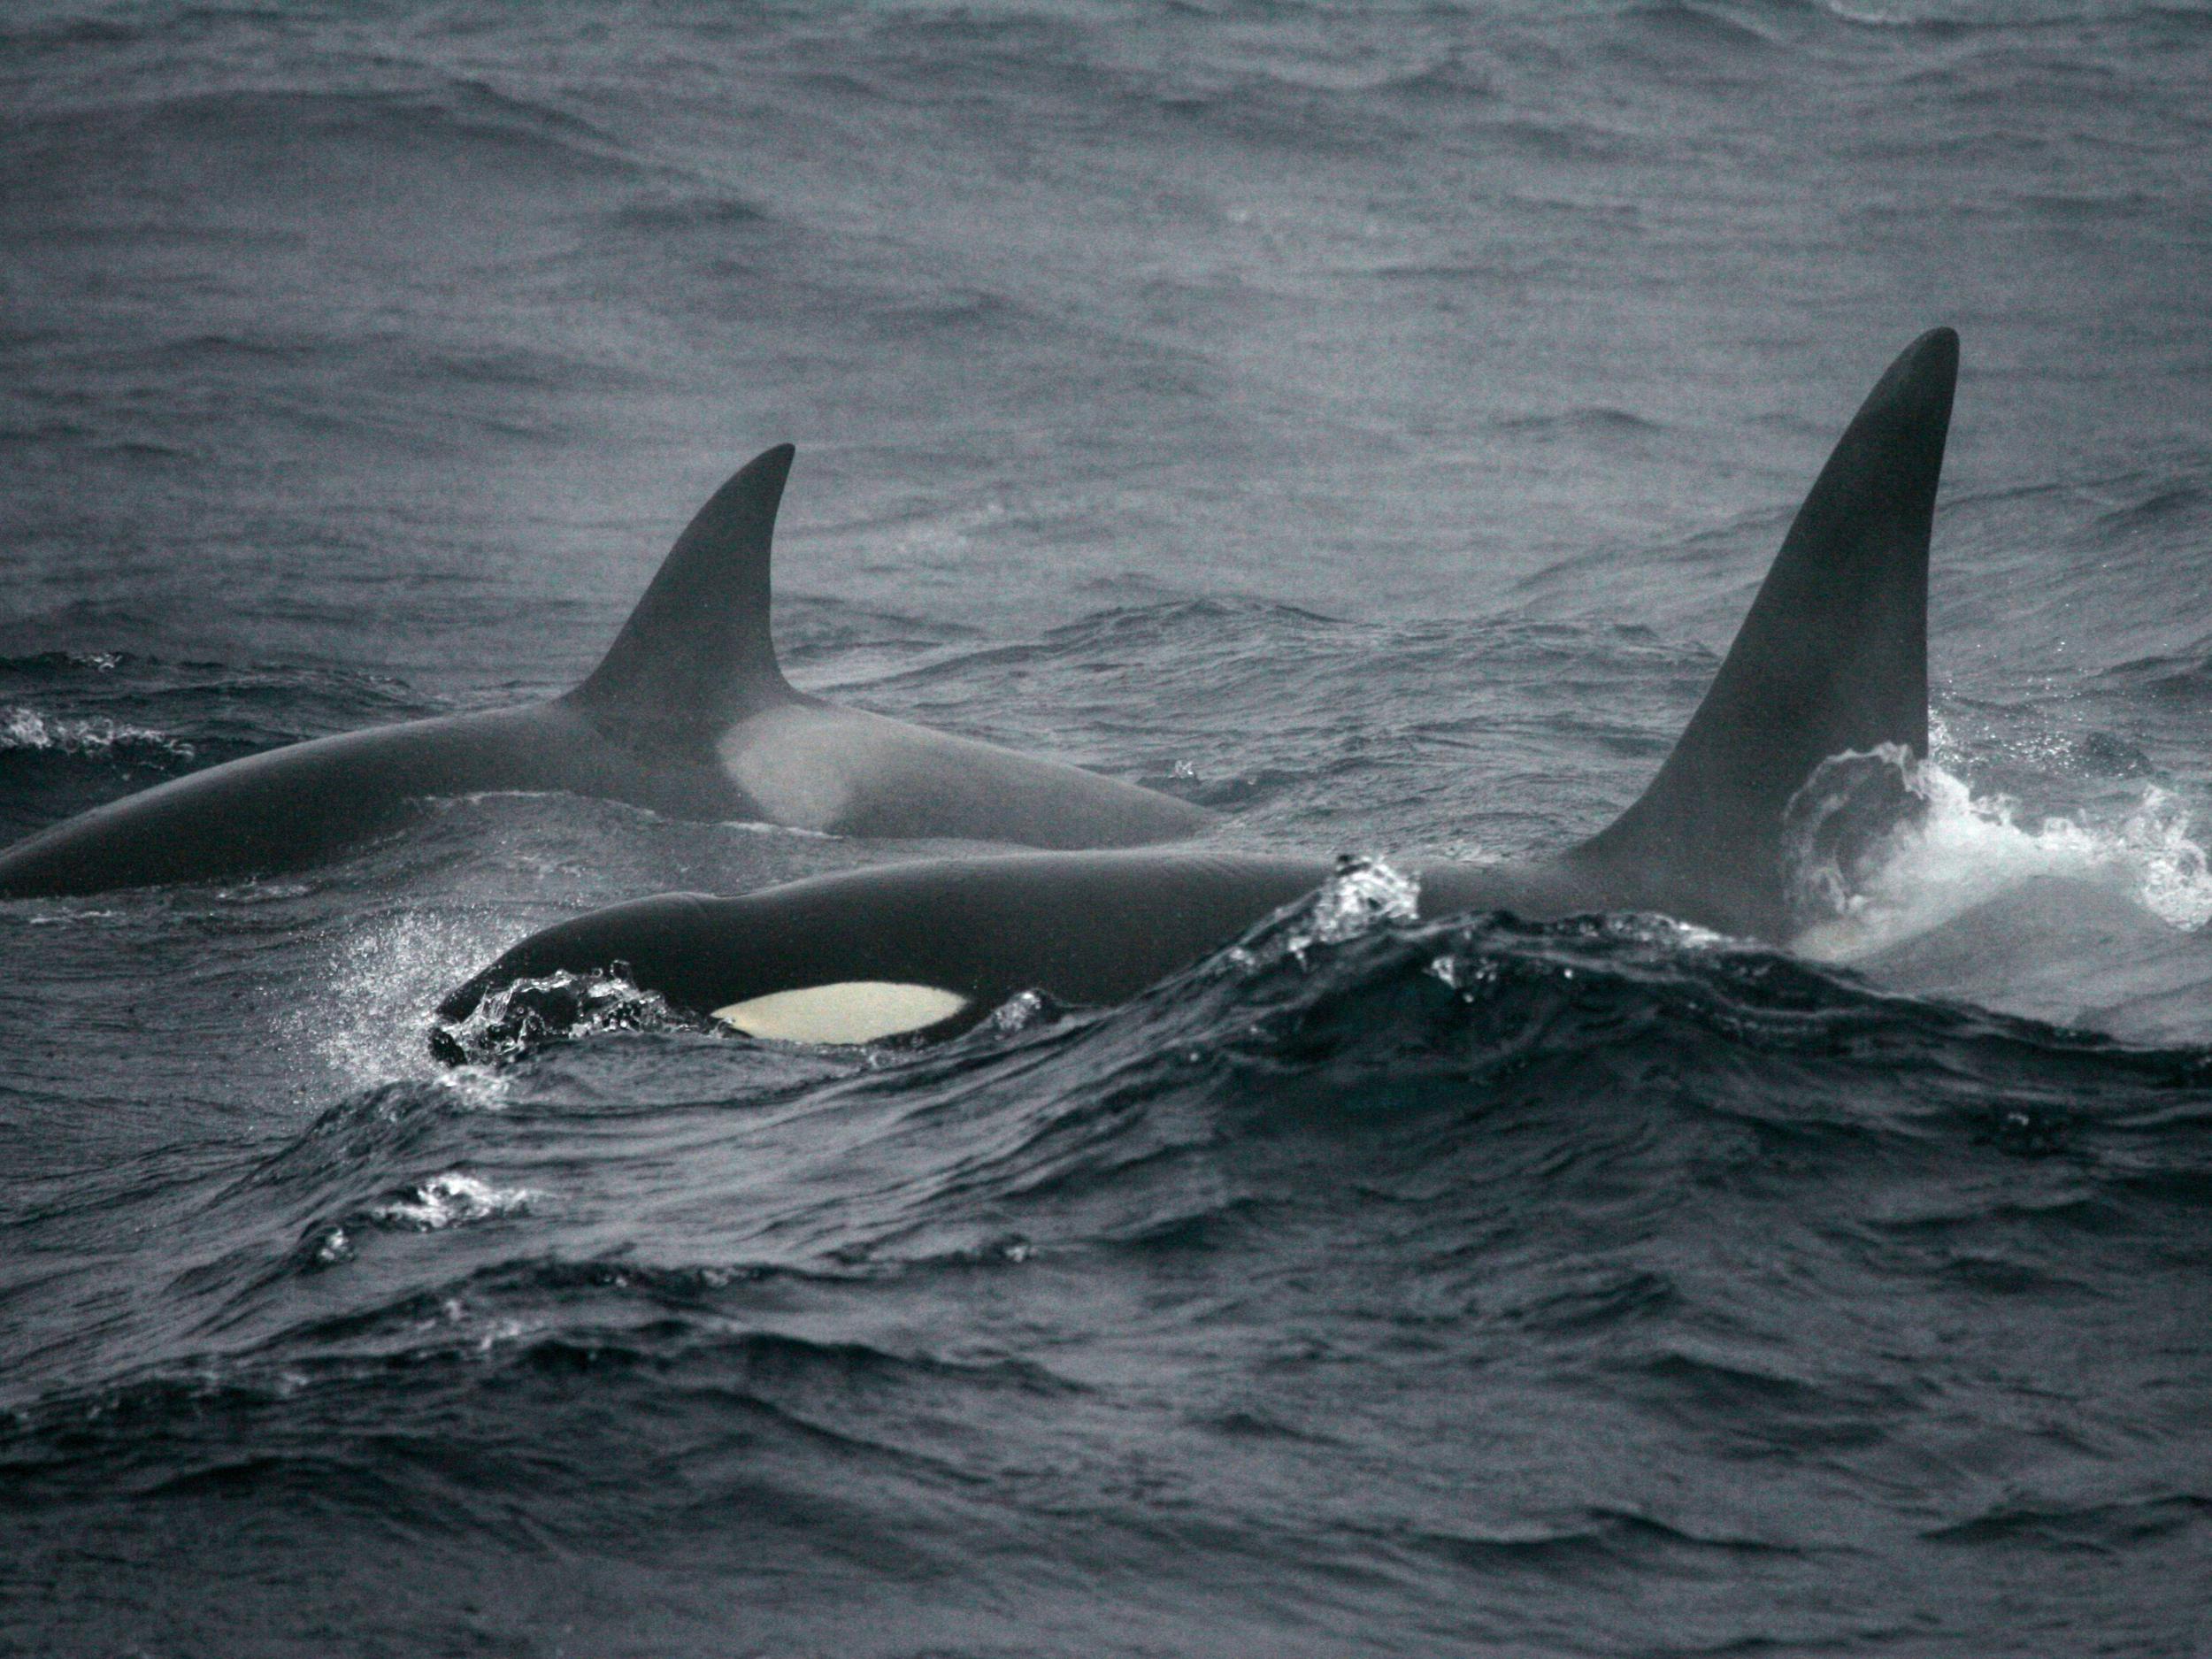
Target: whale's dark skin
x=1832 y=658
x=1082 y=927
x=687 y=714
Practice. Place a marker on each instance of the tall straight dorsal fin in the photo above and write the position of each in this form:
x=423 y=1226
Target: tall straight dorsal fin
x=697 y=653
x=1833 y=656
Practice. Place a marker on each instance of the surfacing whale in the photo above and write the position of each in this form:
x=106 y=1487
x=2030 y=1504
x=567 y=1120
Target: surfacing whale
x=687 y=714
x=1831 y=660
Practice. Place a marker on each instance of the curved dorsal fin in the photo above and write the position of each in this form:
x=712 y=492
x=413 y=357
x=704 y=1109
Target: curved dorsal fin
x=697 y=653
x=1832 y=655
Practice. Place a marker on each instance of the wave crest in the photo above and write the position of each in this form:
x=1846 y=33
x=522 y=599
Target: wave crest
x=26 y=729
x=1884 y=848
x=517 y=1019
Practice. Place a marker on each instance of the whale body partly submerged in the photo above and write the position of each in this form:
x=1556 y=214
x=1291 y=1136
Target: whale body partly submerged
x=688 y=714
x=1832 y=659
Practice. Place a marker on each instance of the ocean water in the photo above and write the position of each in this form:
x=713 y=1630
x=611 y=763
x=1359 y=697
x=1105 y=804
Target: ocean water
x=1369 y=419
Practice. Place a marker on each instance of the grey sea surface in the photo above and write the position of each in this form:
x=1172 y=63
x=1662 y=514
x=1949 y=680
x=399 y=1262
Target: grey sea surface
x=1369 y=420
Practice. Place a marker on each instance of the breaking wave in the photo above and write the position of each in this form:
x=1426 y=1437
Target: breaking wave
x=26 y=729
x=1887 y=848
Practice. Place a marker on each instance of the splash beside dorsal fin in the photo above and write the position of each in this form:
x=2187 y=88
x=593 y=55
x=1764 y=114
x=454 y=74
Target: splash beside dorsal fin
x=1833 y=656
x=696 y=654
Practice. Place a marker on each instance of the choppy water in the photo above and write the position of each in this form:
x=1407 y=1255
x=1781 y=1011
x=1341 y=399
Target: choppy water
x=1367 y=419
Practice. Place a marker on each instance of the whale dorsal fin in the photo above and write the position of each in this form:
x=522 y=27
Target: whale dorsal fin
x=697 y=653
x=1833 y=656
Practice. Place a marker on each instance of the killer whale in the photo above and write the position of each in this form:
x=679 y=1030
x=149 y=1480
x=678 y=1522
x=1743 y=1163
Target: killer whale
x=1831 y=660
x=688 y=714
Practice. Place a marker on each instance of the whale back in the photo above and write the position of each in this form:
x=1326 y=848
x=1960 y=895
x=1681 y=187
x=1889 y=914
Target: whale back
x=696 y=655
x=1832 y=658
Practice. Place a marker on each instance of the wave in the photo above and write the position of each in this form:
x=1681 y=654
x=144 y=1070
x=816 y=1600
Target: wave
x=1954 y=849
x=526 y=1014
x=1598 y=421
x=457 y=121
x=1355 y=1177
x=314 y=1425
x=2184 y=676
x=77 y=728
x=1680 y=24
x=26 y=729
x=1397 y=1091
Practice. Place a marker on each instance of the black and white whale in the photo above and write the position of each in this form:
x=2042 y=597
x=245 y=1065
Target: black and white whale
x=688 y=714
x=1831 y=660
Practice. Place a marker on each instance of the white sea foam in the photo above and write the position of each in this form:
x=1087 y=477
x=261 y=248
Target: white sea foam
x=511 y=1019
x=1964 y=851
x=24 y=728
x=453 y=1199
x=1018 y=1012
x=1363 y=895
x=1868 y=17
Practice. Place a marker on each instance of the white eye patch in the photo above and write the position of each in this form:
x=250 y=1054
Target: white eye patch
x=852 y=1011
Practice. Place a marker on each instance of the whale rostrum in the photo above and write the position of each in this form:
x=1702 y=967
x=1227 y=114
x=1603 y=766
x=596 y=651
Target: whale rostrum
x=687 y=714
x=1831 y=660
